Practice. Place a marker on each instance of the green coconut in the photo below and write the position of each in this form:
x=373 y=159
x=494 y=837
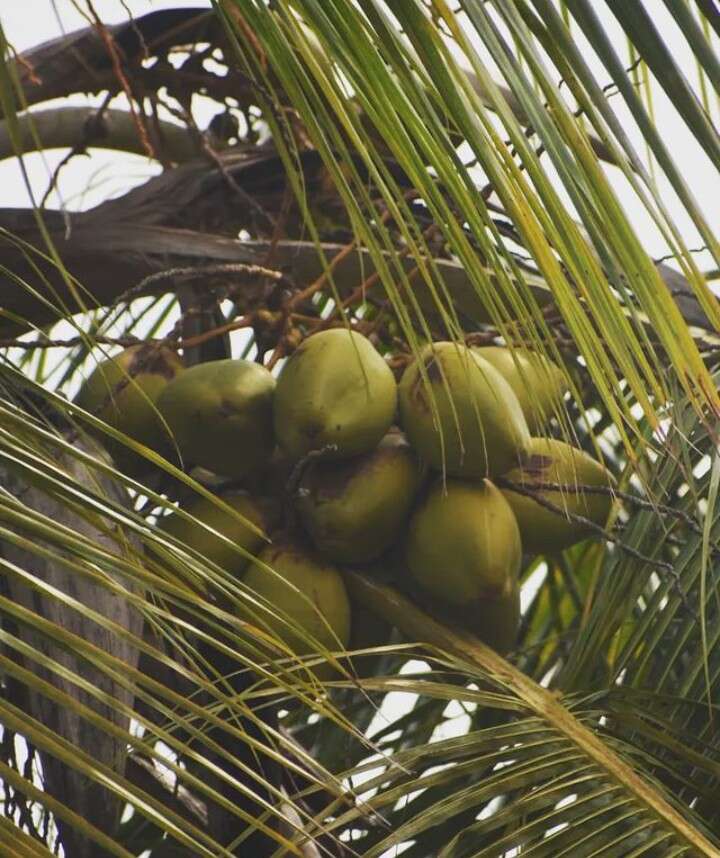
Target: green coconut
x=368 y=631
x=220 y=414
x=123 y=391
x=353 y=510
x=368 y=628
x=463 y=544
x=271 y=477
x=463 y=418
x=307 y=592
x=335 y=393
x=551 y=461
x=537 y=382
x=496 y=621
x=246 y=535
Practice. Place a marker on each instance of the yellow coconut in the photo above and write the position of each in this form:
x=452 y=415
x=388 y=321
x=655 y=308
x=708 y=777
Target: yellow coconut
x=353 y=510
x=462 y=416
x=536 y=381
x=305 y=601
x=335 y=393
x=220 y=414
x=123 y=391
x=551 y=461
x=463 y=544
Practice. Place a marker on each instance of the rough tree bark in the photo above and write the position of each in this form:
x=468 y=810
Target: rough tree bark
x=88 y=798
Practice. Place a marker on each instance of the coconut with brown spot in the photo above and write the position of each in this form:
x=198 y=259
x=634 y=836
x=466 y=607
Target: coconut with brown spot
x=123 y=391
x=354 y=510
x=552 y=461
x=460 y=414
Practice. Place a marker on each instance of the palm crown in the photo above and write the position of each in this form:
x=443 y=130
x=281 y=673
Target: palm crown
x=418 y=172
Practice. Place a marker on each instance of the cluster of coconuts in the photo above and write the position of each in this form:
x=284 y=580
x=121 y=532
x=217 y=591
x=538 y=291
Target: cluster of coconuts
x=387 y=474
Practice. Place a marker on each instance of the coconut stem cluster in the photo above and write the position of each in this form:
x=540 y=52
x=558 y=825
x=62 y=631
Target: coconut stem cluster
x=395 y=478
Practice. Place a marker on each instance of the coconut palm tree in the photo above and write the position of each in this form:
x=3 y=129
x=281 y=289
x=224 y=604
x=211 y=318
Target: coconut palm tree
x=417 y=171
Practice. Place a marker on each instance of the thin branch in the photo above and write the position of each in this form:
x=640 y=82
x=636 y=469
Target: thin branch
x=667 y=256
x=90 y=129
x=69 y=343
x=113 y=52
x=73 y=126
x=195 y=272
x=541 y=500
x=640 y=503
x=126 y=342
